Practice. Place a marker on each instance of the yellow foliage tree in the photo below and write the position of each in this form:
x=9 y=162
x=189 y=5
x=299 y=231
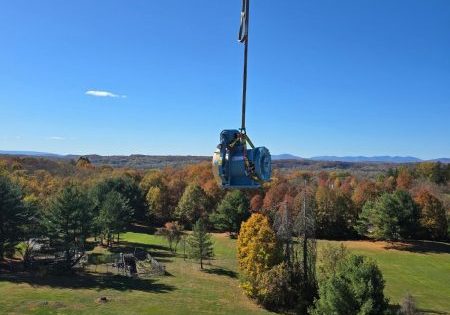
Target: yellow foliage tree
x=155 y=202
x=258 y=251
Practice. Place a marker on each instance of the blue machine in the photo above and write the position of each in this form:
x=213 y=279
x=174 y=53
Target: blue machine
x=235 y=166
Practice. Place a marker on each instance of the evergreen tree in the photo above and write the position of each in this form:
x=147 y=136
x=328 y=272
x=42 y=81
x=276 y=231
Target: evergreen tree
x=68 y=223
x=231 y=212
x=114 y=216
x=13 y=215
x=408 y=215
x=127 y=187
x=33 y=228
x=200 y=245
x=391 y=217
x=355 y=288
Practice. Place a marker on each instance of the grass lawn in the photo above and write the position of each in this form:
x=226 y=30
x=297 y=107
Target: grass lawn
x=188 y=290
x=423 y=270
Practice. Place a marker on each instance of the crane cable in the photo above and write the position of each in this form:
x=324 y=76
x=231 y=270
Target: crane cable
x=243 y=38
x=243 y=138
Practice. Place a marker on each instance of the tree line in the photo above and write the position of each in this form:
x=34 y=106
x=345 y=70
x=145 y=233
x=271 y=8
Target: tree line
x=61 y=210
x=65 y=205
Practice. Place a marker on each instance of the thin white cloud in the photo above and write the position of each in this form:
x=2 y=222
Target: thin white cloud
x=98 y=93
x=56 y=138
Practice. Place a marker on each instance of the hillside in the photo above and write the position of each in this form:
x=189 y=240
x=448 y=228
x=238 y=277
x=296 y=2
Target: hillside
x=143 y=162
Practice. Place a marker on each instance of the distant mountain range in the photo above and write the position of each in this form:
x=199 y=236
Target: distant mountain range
x=285 y=156
x=275 y=157
x=29 y=153
x=369 y=159
x=359 y=159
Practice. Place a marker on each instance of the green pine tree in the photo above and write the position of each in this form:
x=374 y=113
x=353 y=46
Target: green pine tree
x=200 y=245
x=231 y=212
x=13 y=215
x=68 y=222
x=355 y=287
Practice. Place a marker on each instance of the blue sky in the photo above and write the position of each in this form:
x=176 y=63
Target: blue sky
x=326 y=77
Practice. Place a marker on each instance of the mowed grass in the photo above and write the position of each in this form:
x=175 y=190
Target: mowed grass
x=188 y=290
x=423 y=270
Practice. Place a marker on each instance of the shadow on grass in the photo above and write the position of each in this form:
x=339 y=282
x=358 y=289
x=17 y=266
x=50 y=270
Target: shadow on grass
x=421 y=247
x=141 y=228
x=90 y=281
x=159 y=252
x=427 y=311
x=129 y=247
x=221 y=272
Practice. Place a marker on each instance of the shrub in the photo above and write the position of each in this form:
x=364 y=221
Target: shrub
x=356 y=288
x=274 y=287
x=172 y=231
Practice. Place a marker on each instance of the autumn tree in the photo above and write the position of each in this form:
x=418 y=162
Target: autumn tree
x=335 y=214
x=276 y=289
x=231 y=212
x=435 y=172
x=306 y=254
x=13 y=215
x=200 y=245
x=157 y=205
x=292 y=285
x=258 y=251
x=154 y=186
x=192 y=204
x=365 y=191
x=256 y=203
x=84 y=162
x=173 y=232
x=175 y=189
x=153 y=178
x=404 y=178
x=275 y=195
x=433 y=217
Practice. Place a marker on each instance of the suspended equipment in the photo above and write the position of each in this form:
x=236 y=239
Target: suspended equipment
x=234 y=165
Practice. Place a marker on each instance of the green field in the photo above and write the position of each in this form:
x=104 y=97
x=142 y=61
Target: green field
x=188 y=290
x=423 y=270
